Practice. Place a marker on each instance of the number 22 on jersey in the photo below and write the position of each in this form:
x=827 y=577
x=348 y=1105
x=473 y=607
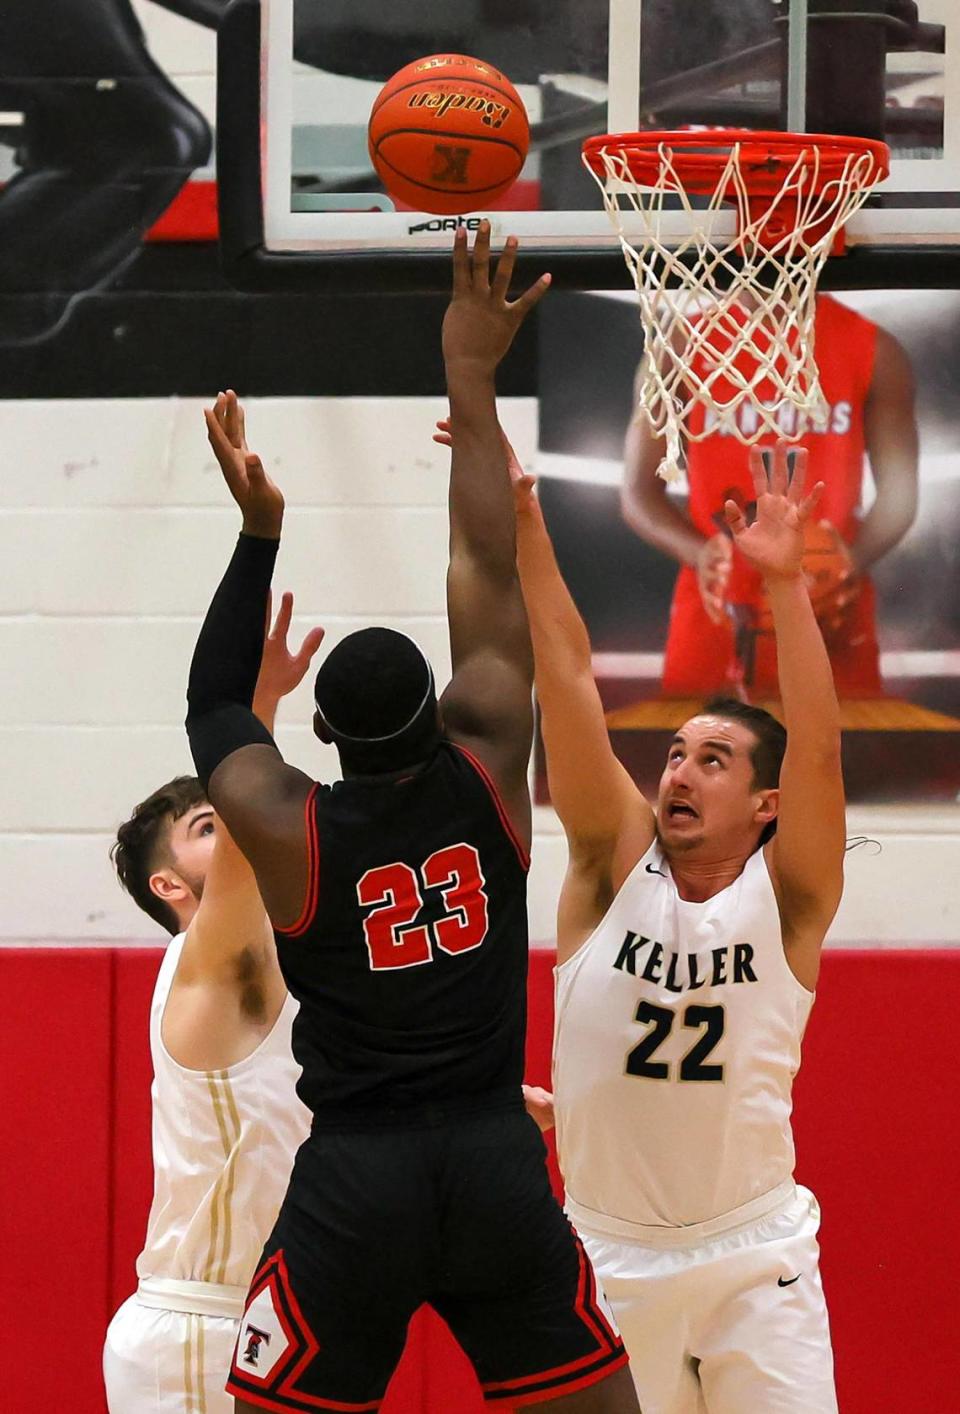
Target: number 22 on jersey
x=394 y=894
x=707 y=1019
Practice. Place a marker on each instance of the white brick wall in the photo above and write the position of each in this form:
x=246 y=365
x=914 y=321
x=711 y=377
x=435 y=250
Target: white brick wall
x=114 y=530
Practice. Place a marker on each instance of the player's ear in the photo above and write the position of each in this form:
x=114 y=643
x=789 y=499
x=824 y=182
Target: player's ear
x=168 y=886
x=321 y=731
x=768 y=805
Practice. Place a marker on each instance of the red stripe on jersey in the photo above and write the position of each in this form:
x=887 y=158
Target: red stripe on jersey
x=505 y=821
x=313 y=870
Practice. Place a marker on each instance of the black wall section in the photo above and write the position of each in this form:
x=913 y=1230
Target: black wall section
x=172 y=326
x=589 y=347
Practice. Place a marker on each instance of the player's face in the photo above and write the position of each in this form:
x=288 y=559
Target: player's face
x=191 y=845
x=706 y=794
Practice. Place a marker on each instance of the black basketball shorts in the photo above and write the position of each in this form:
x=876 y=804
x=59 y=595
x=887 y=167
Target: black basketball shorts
x=457 y=1214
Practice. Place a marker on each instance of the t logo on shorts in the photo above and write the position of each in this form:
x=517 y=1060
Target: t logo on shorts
x=255 y=1338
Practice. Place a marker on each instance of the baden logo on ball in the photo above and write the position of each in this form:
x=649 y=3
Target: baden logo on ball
x=448 y=134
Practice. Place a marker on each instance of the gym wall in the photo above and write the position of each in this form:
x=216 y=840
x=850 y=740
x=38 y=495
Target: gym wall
x=114 y=530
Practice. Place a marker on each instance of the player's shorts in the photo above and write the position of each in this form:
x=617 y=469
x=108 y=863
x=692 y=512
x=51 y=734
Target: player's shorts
x=167 y=1362
x=457 y=1214
x=735 y=1323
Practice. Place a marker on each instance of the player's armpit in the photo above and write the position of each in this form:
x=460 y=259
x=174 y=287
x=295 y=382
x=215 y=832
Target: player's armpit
x=263 y=803
x=230 y=921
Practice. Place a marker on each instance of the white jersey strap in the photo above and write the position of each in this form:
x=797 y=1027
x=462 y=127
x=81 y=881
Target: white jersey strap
x=195 y=1298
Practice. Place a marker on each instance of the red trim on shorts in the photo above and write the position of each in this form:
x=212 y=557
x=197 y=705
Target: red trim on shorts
x=285 y=1408
x=557 y=1391
x=592 y=1311
x=554 y=1382
x=309 y=909
x=505 y=821
x=303 y=1348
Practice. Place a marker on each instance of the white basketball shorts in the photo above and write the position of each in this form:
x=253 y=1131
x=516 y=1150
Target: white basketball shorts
x=736 y=1324
x=167 y=1362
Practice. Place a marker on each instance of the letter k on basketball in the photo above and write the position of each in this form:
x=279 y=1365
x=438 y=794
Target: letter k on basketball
x=451 y=164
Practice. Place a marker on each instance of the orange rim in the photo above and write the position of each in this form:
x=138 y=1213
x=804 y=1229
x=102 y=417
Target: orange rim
x=699 y=157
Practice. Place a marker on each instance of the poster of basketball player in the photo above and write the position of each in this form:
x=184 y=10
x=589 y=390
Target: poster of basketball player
x=674 y=617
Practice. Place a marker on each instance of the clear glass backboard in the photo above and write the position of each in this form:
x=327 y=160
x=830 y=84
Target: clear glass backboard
x=877 y=68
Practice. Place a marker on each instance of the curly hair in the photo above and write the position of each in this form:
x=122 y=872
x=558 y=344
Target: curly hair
x=141 y=843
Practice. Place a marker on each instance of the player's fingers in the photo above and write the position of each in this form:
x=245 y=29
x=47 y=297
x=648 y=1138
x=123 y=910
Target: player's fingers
x=798 y=480
x=522 y=306
x=779 y=470
x=504 y=271
x=256 y=476
x=481 y=257
x=461 y=262
x=309 y=647
x=223 y=451
x=232 y=418
x=284 y=615
x=809 y=503
x=758 y=472
x=443 y=438
x=733 y=515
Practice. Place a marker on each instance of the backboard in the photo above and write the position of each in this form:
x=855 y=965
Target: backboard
x=301 y=205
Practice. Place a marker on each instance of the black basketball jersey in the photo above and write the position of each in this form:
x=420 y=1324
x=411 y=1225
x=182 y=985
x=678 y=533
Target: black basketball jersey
x=409 y=960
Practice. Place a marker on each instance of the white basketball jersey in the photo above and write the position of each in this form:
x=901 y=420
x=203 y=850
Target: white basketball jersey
x=677 y=1039
x=223 y=1147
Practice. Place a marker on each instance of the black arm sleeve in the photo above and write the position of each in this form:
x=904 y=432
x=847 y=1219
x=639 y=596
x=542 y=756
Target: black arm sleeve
x=226 y=660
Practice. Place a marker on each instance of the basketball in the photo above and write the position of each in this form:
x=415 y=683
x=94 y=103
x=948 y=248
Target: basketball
x=448 y=134
x=831 y=581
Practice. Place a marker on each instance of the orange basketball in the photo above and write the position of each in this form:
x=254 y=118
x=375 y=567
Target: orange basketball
x=831 y=580
x=448 y=134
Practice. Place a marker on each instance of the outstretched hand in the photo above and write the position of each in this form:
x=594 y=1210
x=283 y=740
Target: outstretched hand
x=773 y=543
x=260 y=501
x=281 y=670
x=480 y=323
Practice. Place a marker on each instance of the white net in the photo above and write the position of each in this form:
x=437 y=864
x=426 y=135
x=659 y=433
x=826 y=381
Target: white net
x=728 y=320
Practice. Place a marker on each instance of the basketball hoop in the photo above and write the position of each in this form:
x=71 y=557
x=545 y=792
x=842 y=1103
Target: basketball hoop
x=731 y=348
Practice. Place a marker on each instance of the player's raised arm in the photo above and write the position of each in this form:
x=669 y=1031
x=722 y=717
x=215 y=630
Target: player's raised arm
x=260 y=798
x=806 y=853
x=231 y=921
x=608 y=822
x=487 y=704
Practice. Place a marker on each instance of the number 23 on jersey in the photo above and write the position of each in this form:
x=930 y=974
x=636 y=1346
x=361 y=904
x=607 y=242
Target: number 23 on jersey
x=394 y=894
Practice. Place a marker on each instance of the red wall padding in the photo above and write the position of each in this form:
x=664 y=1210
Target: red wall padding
x=877 y=1139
